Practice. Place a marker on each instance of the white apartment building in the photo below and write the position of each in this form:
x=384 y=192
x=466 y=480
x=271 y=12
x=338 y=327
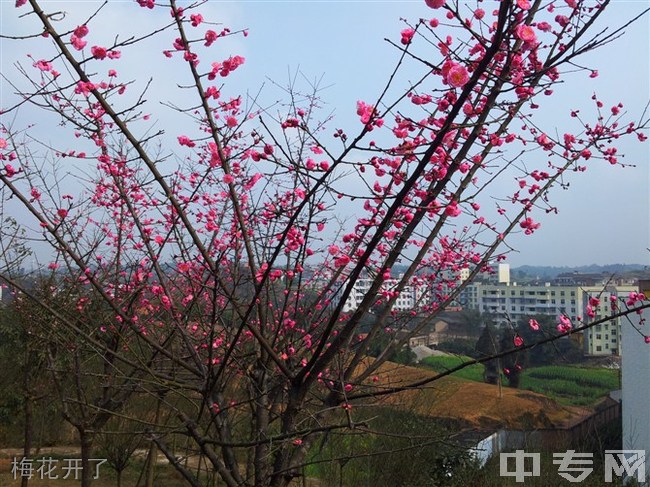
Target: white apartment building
x=509 y=302
x=412 y=296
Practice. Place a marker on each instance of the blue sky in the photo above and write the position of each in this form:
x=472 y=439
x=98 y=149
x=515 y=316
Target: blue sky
x=604 y=217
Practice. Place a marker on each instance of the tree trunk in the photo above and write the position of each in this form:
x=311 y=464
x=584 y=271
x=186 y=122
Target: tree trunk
x=152 y=455
x=87 y=472
x=29 y=419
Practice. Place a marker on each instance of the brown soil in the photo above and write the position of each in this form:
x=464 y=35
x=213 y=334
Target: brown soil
x=474 y=404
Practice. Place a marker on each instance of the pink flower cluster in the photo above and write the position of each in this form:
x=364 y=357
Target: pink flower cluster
x=186 y=141
x=147 y=3
x=454 y=74
x=100 y=53
x=407 y=36
x=529 y=225
x=368 y=115
x=77 y=37
x=225 y=68
x=564 y=325
x=435 y=3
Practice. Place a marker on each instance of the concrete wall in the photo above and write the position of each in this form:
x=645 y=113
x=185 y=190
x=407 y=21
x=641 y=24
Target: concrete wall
x=635 y=386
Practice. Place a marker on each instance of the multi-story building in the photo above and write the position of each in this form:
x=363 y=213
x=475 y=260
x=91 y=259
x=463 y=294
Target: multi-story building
x=509 y=302
x=412 y=296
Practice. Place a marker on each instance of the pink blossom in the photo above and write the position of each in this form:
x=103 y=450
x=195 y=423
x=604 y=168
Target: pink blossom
x=564 y=325
x=62 y=212
x=196 y=19
x=228 y=179
x=333 y=250
x=647 y=339
x=84 y=88
x=562 y=20
x=435 y=3
x=3 y=143
x=147 y=3
x=10 y=171
x=529 y=225
x=212 y=92
x=523 y=4
x=81 y=31
x=526 y=33
x=407 y=36
x=186 y=141
x=458 y=76
x=178 y=44
x=452 y=209
x=342 y=261
x=43 y=65
x=77 y=42
x=365 y=111
x=534 y=325
x=290 y=122
x=210 y=37
x=479 y=13
x=98 y=52
x=518 y=341
x=20 y=3
x=53 y=266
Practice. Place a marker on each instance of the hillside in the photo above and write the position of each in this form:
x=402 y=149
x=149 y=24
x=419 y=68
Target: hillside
x=474 y=404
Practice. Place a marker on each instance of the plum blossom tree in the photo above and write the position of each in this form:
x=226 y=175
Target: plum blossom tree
x=208 y=269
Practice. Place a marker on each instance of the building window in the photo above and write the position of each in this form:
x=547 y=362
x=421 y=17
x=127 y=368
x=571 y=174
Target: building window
x=599 y=348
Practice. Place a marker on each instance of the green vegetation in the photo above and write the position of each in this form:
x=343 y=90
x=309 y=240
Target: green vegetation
x=570 y=385
x=575 y=386
x=399 y=448
x=447 y=362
